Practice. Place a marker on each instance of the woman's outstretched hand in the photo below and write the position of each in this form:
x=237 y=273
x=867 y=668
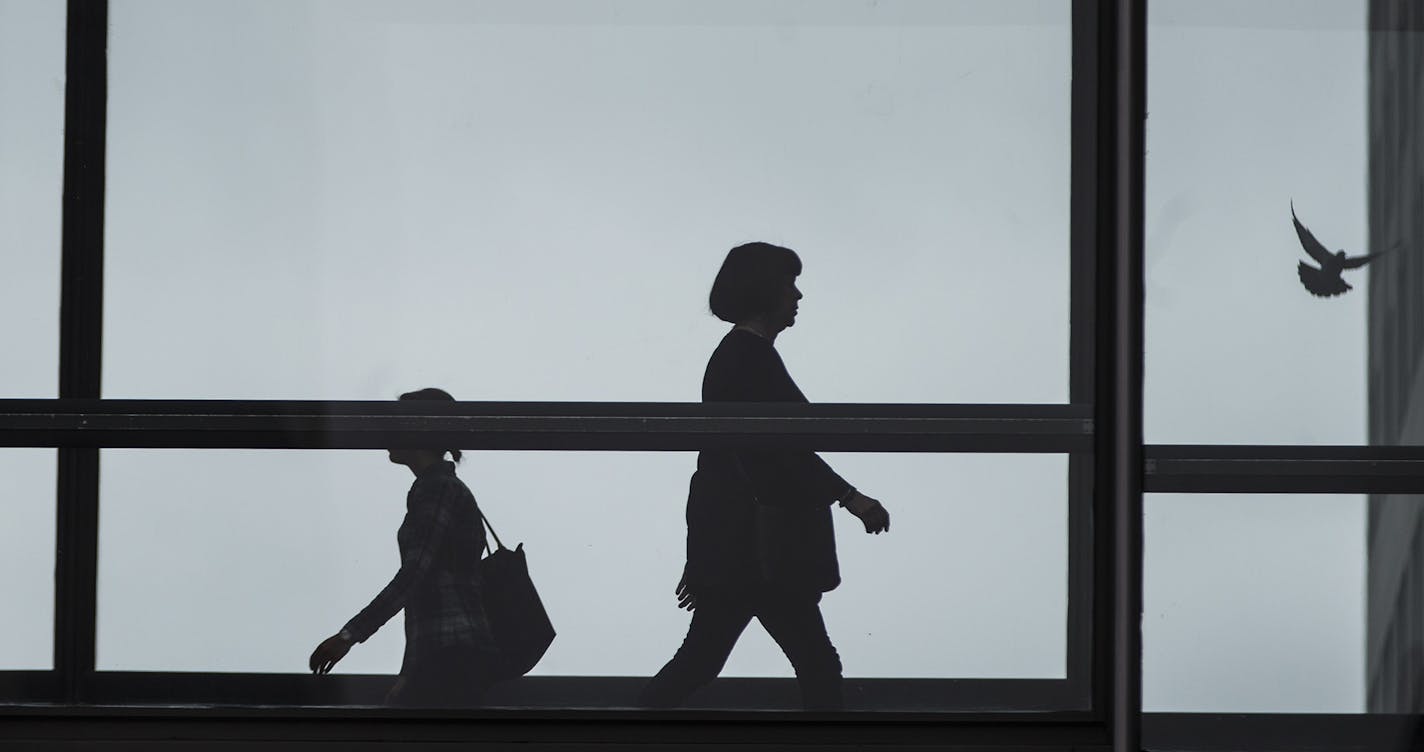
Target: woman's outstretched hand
x=870 y=512
x=331 y=650
x=685 y=597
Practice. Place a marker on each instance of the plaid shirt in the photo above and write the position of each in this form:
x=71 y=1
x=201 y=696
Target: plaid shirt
x=441 y=540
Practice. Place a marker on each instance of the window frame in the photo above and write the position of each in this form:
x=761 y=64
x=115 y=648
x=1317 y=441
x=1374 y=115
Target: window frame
x=1099 y=429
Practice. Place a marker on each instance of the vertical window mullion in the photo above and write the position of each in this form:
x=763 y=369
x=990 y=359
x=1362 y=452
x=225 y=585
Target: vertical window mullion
x=1121 y=309
x=81 y=347
x=1087 y=635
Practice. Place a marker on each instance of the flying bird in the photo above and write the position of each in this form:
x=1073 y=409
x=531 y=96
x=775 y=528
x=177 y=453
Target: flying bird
x=1325 y=280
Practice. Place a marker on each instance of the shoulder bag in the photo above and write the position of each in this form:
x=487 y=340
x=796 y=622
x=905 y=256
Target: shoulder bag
x=518 y=622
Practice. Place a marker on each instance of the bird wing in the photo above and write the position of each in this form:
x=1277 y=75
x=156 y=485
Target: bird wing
x=1355 y=262
x=1308 y=241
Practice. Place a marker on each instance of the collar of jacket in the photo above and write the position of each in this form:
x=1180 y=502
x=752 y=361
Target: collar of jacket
x=442 y=467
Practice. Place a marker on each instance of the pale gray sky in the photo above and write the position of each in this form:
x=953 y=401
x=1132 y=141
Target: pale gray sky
x=322 y=201
x=528 y=200
x=1253 y=603
x=31 y=173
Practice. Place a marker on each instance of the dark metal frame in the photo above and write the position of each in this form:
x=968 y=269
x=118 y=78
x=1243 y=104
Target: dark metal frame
x=623 y=426
x=1187 y=468
x=1099 y=702
x=81 y=333
x=1122 y=306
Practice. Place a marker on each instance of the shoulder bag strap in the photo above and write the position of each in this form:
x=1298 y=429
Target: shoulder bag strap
x=485 y=521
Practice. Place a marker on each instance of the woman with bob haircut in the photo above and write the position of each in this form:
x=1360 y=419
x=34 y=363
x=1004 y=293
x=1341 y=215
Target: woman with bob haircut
x=760 y=539
x=450 y=656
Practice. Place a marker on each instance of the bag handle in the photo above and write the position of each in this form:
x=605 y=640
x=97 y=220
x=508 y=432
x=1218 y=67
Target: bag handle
x=485 y=521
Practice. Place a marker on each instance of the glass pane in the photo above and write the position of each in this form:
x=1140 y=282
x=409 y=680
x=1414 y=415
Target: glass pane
x=1256 y=603
x=1284 y=603
x=27 y=540
x=529 y=200
x=32 y=152
x=1256 y=108
x=1394 y=606
x=265 y=553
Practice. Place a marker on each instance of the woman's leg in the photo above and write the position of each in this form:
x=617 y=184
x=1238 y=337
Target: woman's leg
x=450 y=678
x=794 y=620
x=716 y=624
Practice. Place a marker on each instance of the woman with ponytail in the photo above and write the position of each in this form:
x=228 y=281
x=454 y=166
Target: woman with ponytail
x=450 y=657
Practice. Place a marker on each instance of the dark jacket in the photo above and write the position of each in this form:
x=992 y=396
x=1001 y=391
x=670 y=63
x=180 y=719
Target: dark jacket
x=754 y=516
x=440 y=540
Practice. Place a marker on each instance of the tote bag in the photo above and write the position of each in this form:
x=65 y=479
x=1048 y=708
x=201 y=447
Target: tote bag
x=796 y=547
x=518 y=622
x=796 y=544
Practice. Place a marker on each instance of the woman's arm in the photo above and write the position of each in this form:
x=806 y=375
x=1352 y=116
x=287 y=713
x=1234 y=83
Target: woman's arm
x=428 y=521
x=778 y=477
x=790 y=478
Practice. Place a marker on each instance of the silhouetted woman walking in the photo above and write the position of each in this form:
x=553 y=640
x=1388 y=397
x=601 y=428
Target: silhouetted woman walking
x=760 y=539
x=450 y=656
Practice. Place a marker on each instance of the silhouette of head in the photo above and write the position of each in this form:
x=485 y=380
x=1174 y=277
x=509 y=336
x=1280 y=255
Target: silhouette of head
x=757 y=283
x=414 y=457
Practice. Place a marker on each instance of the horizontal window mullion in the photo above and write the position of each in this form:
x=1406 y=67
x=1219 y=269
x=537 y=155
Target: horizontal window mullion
x=1077 y=416
x=544 y=425
x=553 y=693
x=551 y=435
x=1283 y=469
x=28 y=686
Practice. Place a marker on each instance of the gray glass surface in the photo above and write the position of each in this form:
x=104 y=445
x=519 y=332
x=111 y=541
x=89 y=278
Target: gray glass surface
x=235 y=560
x=32 y=155
x=1282 y=603
x=31 y=175
x=1254 y=603
x=27 y=558
x=1255 y=107
x=529 y=200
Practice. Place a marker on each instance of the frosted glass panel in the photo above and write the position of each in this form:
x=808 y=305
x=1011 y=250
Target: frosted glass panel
x=529 y=200
x=264 y=553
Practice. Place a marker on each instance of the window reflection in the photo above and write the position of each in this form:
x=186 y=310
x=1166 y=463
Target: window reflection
x=1238 y=350
x=553 y=186
x=265 y=553
x=1254 y=603
x=32 y=151
x=27 y=539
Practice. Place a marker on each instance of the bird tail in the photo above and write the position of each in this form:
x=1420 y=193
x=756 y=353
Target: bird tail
x=1319 y=283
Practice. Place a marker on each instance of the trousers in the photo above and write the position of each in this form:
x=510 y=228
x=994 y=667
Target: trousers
x=793 y=619
x=449 y=678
